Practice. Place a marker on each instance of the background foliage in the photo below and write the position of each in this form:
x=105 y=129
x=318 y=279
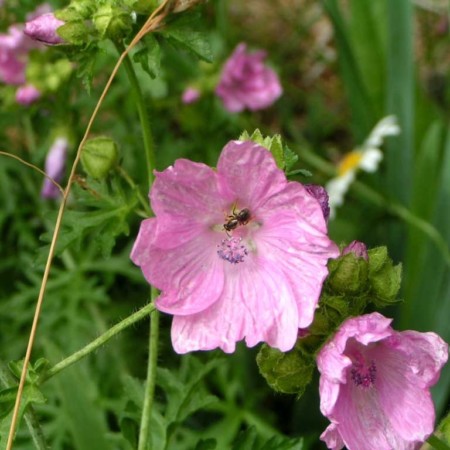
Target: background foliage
x=343 y=66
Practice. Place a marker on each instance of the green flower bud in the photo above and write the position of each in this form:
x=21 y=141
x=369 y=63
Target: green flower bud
x=384 y=277
x=112 y=22
x=348 y=275
x=289 y=372
x=99 y=156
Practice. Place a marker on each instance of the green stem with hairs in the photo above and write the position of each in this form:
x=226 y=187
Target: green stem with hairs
x=144 y=432
x=437 y=443
x=144 y=118
x=102 y=339
x=149 y=394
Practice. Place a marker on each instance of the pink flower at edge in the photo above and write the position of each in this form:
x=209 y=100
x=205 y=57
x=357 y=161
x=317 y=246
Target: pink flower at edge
x=374 y=385
x=54 y=167
x=14 y=48
x=246 y=82
x=261 y=280
x=27 y=94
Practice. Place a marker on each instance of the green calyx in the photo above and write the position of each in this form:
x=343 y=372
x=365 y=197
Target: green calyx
x=290 y=372
x=99 y=156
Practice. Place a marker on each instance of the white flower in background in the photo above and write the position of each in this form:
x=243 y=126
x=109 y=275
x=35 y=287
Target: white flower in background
x=366 y=158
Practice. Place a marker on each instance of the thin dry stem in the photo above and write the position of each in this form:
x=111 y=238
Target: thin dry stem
x=10 y=155
x=150 y=25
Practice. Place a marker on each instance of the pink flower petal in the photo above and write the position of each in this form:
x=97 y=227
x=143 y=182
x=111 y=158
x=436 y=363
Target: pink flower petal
x=332 y=438
x=248 y=173
x=408 y=407
x=190 y=280
x=245 y=309
x=188 y=190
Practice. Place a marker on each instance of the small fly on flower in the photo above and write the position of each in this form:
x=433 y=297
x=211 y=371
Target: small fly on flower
x=241 y=217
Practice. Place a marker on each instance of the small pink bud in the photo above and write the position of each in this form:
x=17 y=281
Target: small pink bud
x=43 y=28
x=27 y=94
x=358 y=248
x=190 y=95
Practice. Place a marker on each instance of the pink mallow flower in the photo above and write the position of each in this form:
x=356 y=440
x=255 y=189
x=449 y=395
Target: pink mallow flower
x=238 y=252
x=43 y=29
x=14 y=48
x=54 y=167
x=27 y=94
x=246 y=82
x=375 y=385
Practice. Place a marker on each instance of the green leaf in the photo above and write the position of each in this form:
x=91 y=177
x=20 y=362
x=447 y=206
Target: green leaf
x=31 y=394
x=290 y=158
x=207 y=444
x=183 y=32
x=249 y=440
x=149 y=56
x=103 y=216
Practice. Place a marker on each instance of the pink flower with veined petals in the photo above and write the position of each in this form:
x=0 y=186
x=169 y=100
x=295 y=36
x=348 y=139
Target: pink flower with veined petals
x=374 y=385
x=261 y=279
x=246 y=82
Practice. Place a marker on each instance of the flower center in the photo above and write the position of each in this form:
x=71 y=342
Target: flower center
x=363 y=372
x=232 y=250
x=350 y=162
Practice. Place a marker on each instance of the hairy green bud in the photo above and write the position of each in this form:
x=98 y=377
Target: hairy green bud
x=99 y=156
x=348 y=274
x=289 y=373
x=384 y=277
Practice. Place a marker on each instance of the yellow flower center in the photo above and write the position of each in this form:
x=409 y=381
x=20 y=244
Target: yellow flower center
x=350 y=162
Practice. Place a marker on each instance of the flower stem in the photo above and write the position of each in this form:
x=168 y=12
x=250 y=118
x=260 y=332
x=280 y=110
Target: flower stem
x=437 y=443
x=144 y=119
x=149 y=395
x=144 y=432
x=95 y=344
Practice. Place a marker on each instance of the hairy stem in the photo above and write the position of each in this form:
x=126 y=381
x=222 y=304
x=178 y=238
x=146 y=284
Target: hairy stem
x=149 y=395
x=95 y=344
x=437 y=443
x=143 y=115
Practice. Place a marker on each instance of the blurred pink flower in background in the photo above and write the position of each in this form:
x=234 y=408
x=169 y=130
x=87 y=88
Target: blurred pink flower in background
x=190 y=95
x=27 y=94
x=54 y=167
x=43 y=29
x=374 y=385
x=260 y=279
x=14 y=48
x=246 y=82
